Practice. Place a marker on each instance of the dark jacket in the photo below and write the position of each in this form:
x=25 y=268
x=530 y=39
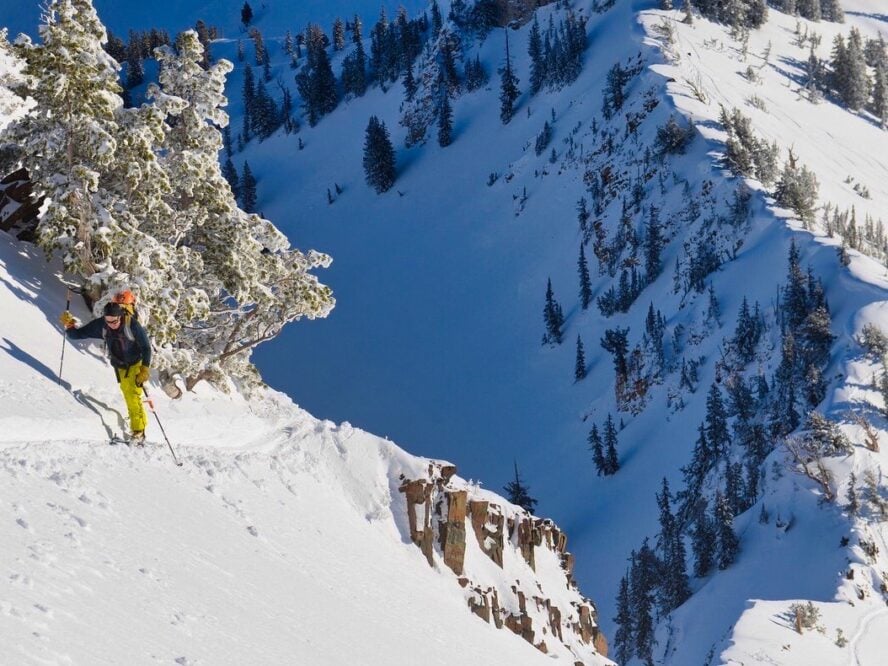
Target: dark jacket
x=124 y=350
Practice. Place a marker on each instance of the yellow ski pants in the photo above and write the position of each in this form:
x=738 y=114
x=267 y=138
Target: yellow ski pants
x=132 y=394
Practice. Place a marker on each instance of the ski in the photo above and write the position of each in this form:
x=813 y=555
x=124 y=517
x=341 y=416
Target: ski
x=117 y=440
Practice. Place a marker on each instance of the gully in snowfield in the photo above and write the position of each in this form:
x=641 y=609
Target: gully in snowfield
x=129 y=351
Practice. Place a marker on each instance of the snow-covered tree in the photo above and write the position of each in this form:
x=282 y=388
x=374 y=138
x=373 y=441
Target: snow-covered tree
x=69 y=141
x=12 y=78
x=797 y=189
x=251 y=283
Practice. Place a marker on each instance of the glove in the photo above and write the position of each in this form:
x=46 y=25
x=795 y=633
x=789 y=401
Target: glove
x=67 y=320
x=142 y=375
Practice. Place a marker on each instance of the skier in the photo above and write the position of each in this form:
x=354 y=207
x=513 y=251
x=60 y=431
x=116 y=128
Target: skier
x=129 y=351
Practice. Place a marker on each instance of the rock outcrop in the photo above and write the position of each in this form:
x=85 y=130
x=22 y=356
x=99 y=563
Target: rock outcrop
x=443 y=510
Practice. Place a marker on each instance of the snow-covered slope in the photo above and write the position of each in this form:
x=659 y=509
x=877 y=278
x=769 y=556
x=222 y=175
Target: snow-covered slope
x=282 y=539
x=440 y=286
x=810 y=549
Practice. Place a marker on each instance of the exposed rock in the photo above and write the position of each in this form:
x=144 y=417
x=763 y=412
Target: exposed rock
x=488 y=527
x=437 y=513
x=453 y=531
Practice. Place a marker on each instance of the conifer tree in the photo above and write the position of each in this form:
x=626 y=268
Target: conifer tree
x=583 y=217
x=248 y=189
x=703 y=541
x=316 y=82
x=611 y=459
x=580 y=365
x=717 y=434
x=702 y=460
x=552 y=317
x=437 y=21
x=135 y=72
x=508 y=88
x=727 y=543
x=624 y=642
x=379 y=156
x=585 y=280
x=641 y=593
x=746 y=334
x=653 y=245
x=616 y=342
x=880 y=93
x=230 y=174
x=410 y=85
x=797 y=188
x=445 y=119
x=734 y=491
x=535 y=51
x=831 y=10
x=249 y=92
x=338 y=34
x=246 y=14
x=70 y=139
x=517 y=492
x=674 y=586
x=597 y=448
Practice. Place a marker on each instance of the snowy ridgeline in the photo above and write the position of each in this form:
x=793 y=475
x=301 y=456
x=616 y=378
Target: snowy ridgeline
x=283 y=539
x=808 y=585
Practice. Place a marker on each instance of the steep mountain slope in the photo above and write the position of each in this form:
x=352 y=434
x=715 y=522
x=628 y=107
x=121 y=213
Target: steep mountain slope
x=440 y=286
x=283 y=539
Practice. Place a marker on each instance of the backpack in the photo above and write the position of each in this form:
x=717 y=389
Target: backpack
x=127 y=300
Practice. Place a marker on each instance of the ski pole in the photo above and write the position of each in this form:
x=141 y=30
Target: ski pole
x=64 y=338
x=154 y=411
